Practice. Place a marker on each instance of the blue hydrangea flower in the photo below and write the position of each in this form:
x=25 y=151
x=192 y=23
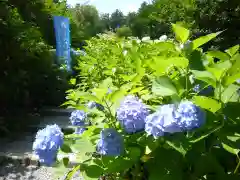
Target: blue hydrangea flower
x=110 y=143
x=132 y=114
x=78 y=118
x=171 y=118
x=92 y=105
x=189 y=115
x=47 y=143
x=162 y=121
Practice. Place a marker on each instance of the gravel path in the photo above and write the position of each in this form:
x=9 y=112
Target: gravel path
x=14 y=170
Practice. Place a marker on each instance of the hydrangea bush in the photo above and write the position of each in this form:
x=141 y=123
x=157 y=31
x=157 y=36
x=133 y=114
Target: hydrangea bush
x=158 y=119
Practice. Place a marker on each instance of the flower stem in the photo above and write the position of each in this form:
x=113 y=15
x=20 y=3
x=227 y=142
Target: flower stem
x=237 y=167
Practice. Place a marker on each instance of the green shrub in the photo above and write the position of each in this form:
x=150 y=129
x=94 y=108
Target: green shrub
x=200 y=142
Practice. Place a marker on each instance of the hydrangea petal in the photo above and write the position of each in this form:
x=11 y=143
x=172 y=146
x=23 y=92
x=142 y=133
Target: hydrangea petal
x=132 y=114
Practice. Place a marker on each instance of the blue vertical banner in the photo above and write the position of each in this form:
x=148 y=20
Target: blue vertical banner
x=62 y=34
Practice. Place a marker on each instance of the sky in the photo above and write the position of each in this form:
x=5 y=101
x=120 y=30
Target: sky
x=109 y=6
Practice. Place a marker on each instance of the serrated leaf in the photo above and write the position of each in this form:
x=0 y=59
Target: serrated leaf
x=181 y=33
x=230 y=79
x=87 y=96
x=219 y=69
x=162 y=64
x=179 y=147
x=204 y=39
x=234 y=138
x=218 y=54
x=117 y=95
x=233 y=50
x=205 y=76
x=207 y=103
x=162 y=86
x=230 y=149
x=230 y=94
x=235 y=67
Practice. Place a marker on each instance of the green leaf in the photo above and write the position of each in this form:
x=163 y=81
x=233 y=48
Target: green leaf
x=72 y=172
x=106 y=83
x=139 y=75
x=100 y=93
x=227 y=80
x=204 y=39
x=218 y=54
x=195 y=61
x=161 y=64
x=72 y=81
x=65 y=161
x=93 y=171
x=136 y=90
x=119 y=164
x=66 y=148
x=86 y=96
x=162 y=167
x=165 y=46
x=205 y=76
x=117 y=95
x=83 y=145
x=163 y=86
x=230 y=149
x=235 y=67
x=230 y=94
x=234 y=138
x=207 y=103
x=219 y=69
x=178 y=146
x=181 y=33
x=134 y=153
x=233 y=50
x=59 y=170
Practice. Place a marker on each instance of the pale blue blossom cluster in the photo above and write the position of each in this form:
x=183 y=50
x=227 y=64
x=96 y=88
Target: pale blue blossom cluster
x=110 y=143
x=78 y=118
x=47 y=143
x=172 y=118
x=132 y=114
